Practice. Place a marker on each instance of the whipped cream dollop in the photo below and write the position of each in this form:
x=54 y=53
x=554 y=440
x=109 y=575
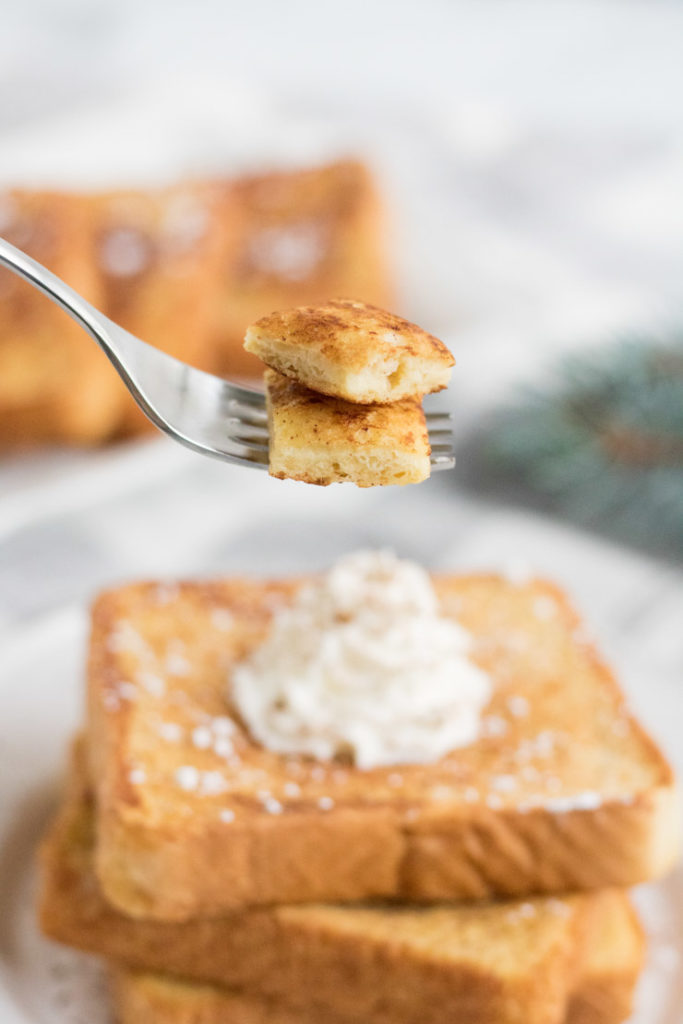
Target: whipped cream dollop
x=363 y=664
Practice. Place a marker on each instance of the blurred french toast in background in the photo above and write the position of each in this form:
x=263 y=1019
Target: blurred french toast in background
x=185 y=268
x=301 y=237
x=55 y=386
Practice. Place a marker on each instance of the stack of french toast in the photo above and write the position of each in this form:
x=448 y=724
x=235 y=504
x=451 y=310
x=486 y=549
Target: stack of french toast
x=344 y=384
x=183 y=267
x=226 y=882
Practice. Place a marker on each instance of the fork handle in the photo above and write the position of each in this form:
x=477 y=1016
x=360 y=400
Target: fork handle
x=95 y=323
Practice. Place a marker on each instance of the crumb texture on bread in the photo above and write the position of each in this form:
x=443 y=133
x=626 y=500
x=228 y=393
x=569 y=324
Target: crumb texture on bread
x=322 y=440
x=562 y=791
x=351 y=350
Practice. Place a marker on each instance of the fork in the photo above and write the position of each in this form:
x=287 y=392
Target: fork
x=206 y=413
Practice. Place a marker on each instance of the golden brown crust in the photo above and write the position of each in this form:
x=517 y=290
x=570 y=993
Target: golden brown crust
x=322 y=440
x=351 y=350
x=562 y=791
x=600 y=993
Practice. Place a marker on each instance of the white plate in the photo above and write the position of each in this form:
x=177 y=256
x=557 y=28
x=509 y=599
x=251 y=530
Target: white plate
x=41 y=696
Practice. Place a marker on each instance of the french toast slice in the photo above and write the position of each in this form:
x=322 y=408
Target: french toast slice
x=159 y=254
x=55 y=384
x=299 y=236
x=601 y=993
x=562 y=791
x=322 y=440
x=351 y=350
x=409 y=965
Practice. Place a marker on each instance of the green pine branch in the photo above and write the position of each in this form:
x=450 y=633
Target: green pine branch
x=605 y=441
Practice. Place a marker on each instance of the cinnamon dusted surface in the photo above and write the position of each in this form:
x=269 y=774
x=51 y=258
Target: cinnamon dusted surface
x=351 y=350
x=322 y=440
x=563 y=789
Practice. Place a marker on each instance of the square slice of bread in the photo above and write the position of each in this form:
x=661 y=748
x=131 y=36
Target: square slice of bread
x=350 y=350
x=562 y=791
x=322 y=440
x=601 y=991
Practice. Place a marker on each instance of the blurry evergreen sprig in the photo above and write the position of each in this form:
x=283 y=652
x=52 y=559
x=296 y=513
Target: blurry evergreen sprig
x=604 y=442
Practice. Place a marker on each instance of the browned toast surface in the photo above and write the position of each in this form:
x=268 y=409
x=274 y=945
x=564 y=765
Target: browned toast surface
x=322 y=440
x=351 y=350
x=600 y=994
x=563 y=790
x=409 y=965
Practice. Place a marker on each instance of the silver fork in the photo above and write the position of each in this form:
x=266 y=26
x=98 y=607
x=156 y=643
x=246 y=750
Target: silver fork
x=210 y=415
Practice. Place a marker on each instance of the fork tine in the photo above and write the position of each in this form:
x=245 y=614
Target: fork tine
x=440 y=462
x=254 y=458
x=256 y=441
x=243 y=428
x=259 y=459
x=258 y=444
x=254 y=454
x=245 y=396
x=440 y=428
x=257 y=450
x=247 y=413
x=439 y=419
